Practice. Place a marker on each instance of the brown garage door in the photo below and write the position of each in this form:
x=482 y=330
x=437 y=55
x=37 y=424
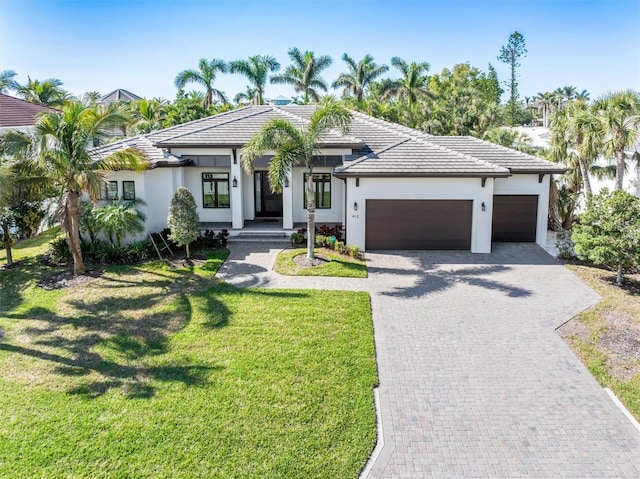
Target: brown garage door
x=514 y=217
x=418 y=224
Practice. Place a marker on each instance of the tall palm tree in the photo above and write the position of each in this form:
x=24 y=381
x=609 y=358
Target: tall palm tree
x=296 y=146
x=205 y=76
x=304 y=74
x=583 y=95
x=147 y=115
x=7 y=82
x=576 y=131
x=246 y=97
x=619 y=113
x=59 y=148
x=257 y=70
x=545 y=101
x=412 y=84
x=47 y=92
x=360 y=75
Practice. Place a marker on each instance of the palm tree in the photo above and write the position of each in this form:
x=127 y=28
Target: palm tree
x=59 y=148
x=120 y=219
x=619 y=113
x=147 y=115
x=545 y=101
x=304 y=74
x=256 y=69
x=296 y=146
x=205 y=76
x=412 y=84
x=46 y=92
x=583 y=95
x=360 y=75
x=7 y=82
x=575 y=131
x=246 y=97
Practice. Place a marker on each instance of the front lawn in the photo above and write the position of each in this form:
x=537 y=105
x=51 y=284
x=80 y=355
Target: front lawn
x=338 y=266
x=607 y=336
x=31 y=247
x=151 y=371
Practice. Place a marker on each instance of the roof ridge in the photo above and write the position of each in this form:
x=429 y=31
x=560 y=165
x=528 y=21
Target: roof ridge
x=510 y=150
x=199 y=120
x=421 y=139
x=368 y=156
x=333 y=130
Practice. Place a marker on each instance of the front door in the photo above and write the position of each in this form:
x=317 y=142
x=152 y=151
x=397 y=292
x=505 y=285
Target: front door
x=268 y=204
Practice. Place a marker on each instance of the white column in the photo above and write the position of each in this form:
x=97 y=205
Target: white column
x=482 y=219
x=237 y=178
x=287 y=203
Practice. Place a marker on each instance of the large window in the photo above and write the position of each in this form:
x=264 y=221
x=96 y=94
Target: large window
x=112 y=190
x=215 y=190
x=128 y=190
x=322 y=189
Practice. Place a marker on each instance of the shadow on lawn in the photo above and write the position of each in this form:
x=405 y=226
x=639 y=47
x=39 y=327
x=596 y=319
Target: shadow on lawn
x=119 y=336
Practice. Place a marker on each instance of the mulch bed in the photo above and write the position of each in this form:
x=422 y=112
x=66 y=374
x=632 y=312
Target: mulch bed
x=5 y=266
x=304 y=262
x=66 y=279
x=184 y=262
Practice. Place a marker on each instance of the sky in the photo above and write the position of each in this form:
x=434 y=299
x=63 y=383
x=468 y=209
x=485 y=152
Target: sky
x=101 y=45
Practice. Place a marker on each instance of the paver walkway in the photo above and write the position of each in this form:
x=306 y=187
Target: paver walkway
x=474 y=381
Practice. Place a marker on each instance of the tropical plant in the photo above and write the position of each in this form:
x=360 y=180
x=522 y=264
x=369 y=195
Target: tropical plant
x=609 y=231
x=619 y=113
x=256 y=70
x=304 y=74
x=296 y=146
x=412 y=84
x=147 y=115
x=91 y=97
x=7 y=81
x=183 y=220
x=59 y=149
x=510 y=54
x=46 y=92
x=120 y=219
x=247 y=97
x=546 y=101
x=359 y=76
x=204 y=76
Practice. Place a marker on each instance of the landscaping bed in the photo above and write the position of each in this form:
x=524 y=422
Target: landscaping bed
x=293 y=262
x=607 y=336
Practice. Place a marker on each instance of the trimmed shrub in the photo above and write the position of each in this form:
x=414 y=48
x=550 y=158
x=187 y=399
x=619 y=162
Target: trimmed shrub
x=297 y=238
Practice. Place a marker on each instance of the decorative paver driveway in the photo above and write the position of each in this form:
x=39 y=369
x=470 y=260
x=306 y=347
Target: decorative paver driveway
x=474 y=381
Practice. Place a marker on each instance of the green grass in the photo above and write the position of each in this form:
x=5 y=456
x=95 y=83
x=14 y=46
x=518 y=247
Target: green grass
x=339 y=266
x=151 y=371
x=618 y=309
x=31 y=247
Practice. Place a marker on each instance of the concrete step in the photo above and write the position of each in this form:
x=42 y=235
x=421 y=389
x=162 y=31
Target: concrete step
x=271 y=236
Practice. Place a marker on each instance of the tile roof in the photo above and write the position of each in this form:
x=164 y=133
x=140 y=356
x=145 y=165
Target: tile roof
x=15 y=112
x=156 y=156
x=119 y=95
x=379 y=148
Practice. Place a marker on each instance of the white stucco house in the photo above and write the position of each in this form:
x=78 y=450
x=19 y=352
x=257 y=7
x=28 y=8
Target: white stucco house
x=391 y=187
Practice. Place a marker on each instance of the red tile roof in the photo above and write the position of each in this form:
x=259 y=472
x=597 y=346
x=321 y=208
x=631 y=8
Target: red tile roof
x=17 y=112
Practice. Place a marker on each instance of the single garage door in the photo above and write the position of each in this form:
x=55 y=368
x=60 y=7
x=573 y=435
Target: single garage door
x=515 y=217
x=418 y=224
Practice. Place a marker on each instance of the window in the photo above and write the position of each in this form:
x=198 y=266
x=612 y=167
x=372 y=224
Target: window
x=322 y=189
x=128 y=190
x=112 y=190
x=215 y=190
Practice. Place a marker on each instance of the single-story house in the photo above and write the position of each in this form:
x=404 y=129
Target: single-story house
x=391 y=187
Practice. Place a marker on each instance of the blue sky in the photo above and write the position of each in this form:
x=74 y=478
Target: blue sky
x=142 y=45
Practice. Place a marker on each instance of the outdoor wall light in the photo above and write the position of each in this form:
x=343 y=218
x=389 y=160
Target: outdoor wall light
x=355 y=206
x=484 y=208
x=235 y=182
x=286 y=182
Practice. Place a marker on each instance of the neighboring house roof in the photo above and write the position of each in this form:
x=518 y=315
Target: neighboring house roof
x=15 y=112
x=119 y=95
x=157 y=156
x=379 y=148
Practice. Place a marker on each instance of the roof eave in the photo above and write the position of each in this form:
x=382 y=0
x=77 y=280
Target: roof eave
x=408 y=174
x=540 y=171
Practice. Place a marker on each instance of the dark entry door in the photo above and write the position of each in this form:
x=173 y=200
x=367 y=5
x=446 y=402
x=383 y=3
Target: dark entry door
x=268 y=204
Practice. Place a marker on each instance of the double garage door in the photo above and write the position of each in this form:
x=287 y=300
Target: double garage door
x=445 y=224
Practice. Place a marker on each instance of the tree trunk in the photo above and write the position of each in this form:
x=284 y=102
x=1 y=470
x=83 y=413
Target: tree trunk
x=619 y=275
x=73 y=232
x=311 y=215
x=7 y=241
x=586 y=182
x=554 y=221
x=619 y=169
x=187 y=247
